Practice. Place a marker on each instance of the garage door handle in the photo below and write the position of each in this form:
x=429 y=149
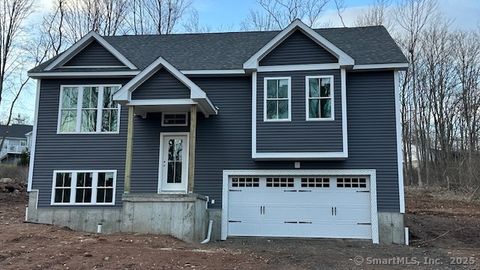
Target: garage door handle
x=332 y=211
x=335 y=210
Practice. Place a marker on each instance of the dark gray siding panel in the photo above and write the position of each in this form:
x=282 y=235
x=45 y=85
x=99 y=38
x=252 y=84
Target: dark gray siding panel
x=162 y=85
x=94 y=55
x=146 y=152
x=74 y=151
x=298 y=49
x=299 y=135
x=224 y=140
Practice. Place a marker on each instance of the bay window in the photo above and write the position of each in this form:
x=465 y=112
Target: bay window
x=88 y=109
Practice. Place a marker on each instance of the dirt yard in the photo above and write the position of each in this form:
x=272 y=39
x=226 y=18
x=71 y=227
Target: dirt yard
x=445 y=234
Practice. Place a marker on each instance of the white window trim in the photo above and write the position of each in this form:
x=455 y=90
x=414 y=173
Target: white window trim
x=73 y=186
x=371 y=173
x=265 y=79
x=174 y=125
x=307 y=97
x=79 y=109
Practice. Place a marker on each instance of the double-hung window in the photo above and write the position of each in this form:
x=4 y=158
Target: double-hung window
x=88 y=109
x=84 y=187
x=319 y=97
x=277 y=99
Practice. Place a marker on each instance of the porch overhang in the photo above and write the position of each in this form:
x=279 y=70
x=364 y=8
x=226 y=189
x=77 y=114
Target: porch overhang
x=197 y=95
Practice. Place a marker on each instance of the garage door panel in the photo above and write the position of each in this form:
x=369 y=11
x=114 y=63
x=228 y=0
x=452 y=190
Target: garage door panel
x=308 y=206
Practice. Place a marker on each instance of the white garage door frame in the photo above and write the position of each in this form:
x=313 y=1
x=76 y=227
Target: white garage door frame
x=371 y=173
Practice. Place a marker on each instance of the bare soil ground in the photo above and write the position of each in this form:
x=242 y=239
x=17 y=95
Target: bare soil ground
x=444 y=230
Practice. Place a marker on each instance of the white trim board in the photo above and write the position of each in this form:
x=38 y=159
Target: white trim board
x=34 y=138
x=84 y=42
x=401 y=189
x=343 y=58
x=88 y=74
x=367 y=172
x=301 y=155
x=298 y=67
x=213 y=72
x=381 y=66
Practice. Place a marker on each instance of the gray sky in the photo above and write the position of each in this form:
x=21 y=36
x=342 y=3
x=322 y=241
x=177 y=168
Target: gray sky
x=227 y=15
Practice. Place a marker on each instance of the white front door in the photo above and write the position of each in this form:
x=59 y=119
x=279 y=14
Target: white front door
x=173 y=163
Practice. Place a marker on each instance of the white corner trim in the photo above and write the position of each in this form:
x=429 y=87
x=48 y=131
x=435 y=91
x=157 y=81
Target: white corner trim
x=300 y=155
x=289 y=94
x=34 y=138
x=382 y=66
x=367 y=172
x=307 y=98
x=81 y=44
x=87 y=74
x=343 y=78
x=254 y=114
x=298 y=67
x=343 y=58
x=401 y=189
x=214 y=72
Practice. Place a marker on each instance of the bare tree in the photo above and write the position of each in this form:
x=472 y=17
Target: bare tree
x=340 y=7
x=156 y=16
x=376 y=14
x=193 y=25
x=277 y=14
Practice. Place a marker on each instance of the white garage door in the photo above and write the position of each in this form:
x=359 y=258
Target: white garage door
x=300 y=206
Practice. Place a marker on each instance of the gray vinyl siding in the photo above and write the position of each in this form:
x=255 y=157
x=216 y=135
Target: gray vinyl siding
x=223 y=140
x=146 y=152
x=298 y=49
x=94 y=54
x=74 y=151
x=299 y=135
x=162 y=85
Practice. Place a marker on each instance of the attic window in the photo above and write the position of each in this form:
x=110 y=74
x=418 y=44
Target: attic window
x=174 y=119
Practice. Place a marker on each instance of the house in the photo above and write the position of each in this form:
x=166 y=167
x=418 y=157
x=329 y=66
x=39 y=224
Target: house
x=291 y=133
x=15 y=141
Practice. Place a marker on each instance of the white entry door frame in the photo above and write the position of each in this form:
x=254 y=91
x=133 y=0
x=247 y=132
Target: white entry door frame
x=173 y=154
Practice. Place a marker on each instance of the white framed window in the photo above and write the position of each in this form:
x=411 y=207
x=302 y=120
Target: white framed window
x=88 y=109
x=319 y=98
x=174 y=119
x=86 y=187
x=277 y=99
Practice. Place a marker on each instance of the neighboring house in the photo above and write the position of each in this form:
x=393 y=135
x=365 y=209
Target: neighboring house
x=16 y=141
x=291 y=133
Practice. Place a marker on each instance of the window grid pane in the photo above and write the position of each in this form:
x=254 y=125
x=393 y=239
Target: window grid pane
x=319 y=98
x=277 y=99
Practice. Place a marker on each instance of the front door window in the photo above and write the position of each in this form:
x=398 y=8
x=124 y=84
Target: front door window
x=174 y=167
x=175 y=150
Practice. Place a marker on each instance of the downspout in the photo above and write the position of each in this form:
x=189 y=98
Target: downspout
x=209 y=233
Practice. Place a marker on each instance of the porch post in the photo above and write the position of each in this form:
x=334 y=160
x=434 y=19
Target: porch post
x=191 y=146
x=128 y=157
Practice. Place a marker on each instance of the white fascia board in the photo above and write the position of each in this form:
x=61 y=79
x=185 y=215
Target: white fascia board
x=82 y=74
x=298 y=67
x=343 y=58
x=160 y=102
x=214 y=72
x=381 y=66
x=300 y=155
x=81 y=44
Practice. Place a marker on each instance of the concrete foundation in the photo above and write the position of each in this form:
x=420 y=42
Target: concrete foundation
x=181 y=215
x=391 y=228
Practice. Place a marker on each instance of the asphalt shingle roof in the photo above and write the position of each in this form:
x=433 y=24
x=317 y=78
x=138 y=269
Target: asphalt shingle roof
x=14 y=131
x=366 y=45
